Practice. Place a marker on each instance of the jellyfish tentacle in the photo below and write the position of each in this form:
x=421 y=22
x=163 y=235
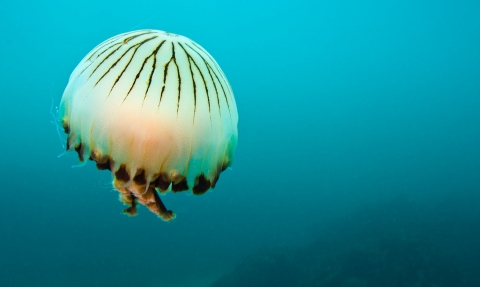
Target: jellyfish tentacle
x=145 y=195
x=56 y=122
x=152 y=201
x=164 y=213
x=62 y=154
x=82 y=164
x=130 y=200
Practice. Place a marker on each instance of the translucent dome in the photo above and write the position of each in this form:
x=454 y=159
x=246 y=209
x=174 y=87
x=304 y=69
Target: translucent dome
x=156 y=110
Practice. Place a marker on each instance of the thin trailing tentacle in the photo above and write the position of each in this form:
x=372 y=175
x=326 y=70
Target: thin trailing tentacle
x=57 y=125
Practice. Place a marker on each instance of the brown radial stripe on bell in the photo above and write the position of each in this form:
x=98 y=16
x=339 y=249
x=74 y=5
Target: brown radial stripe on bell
x=220 y=169
x=121 y=174
x=94 y=155
x=79 y=150
x=201 y=185
x=66 y=128
x=180 y=186
x=104 y=163
x=225 y=166
x=162 y=182
x=139 y=177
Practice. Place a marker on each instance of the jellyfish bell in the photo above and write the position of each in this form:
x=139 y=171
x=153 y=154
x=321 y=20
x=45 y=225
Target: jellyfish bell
x=156 y=110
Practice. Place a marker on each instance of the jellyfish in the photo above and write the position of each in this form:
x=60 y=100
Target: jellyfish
x=155 y=109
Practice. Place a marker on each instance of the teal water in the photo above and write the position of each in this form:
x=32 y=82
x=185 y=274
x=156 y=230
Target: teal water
x=357 y=164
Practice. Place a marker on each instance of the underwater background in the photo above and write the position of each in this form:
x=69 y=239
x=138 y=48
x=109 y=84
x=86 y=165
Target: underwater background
x=358 y=160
